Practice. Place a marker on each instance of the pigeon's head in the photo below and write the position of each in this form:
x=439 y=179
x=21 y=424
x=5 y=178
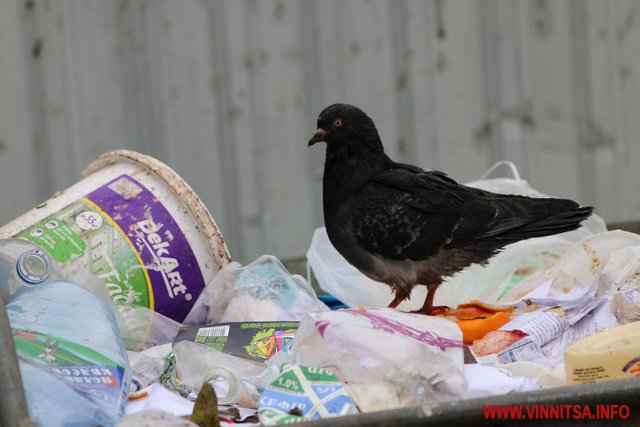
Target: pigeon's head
x=340 y=124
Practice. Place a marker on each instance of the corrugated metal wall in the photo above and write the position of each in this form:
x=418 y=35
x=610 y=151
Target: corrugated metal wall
x=227 y=93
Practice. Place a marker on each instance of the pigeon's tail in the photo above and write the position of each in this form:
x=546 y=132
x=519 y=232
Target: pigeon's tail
x=554 y=224
x=562 y=215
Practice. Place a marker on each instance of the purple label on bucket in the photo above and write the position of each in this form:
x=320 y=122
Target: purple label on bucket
x=174 y=273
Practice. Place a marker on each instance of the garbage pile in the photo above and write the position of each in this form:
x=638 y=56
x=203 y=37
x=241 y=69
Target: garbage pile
x=122 y=299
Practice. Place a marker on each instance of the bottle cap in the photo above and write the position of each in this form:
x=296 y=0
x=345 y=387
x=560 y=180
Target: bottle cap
x=34 y=267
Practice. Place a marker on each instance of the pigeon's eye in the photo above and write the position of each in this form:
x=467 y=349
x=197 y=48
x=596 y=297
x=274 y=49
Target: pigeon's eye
x=337 y=123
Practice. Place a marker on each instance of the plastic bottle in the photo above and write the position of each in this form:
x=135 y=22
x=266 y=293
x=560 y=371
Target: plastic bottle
x=73 y=362
x=24 y=266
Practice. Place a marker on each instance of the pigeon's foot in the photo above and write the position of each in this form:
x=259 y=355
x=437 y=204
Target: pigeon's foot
x=431 y=311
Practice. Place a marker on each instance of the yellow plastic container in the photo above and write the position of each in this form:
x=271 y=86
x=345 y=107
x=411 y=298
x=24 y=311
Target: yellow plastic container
x=608 y=355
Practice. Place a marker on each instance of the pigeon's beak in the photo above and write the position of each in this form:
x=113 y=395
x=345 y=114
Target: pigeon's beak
x=317 y=136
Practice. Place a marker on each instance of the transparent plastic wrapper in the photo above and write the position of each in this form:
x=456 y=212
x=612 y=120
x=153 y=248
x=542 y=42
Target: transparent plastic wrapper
x=621 y=278
x=386 y=359
x=72 y=360
x=229 y=375
x=261 y=291
x=140 y=327
x=575 y=273
x=488 y=283
x=144 y=370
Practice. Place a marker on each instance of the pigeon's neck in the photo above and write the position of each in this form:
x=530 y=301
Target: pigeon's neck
x=348 y=168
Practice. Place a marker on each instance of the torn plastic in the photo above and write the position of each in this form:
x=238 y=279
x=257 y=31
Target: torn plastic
x=197 y=363
x=261 y=291
x=576 y=271
x=144 y=370
x=380 y=355
x=621 y=278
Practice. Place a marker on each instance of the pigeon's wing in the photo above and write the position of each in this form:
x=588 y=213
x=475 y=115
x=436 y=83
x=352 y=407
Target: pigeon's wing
x=490 y=221
x=406 y=213
x=515 y=218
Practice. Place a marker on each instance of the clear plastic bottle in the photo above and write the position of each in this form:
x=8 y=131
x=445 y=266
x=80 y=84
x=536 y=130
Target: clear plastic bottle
x=73 y=362
x=24 y=266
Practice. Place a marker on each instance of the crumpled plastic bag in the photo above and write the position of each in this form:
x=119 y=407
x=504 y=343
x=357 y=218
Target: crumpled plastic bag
x=234 y=379
x=487 y=283
x=580 y=268
x=621 y=278
x=145 y=370
x=386 y=358
x=262 y=291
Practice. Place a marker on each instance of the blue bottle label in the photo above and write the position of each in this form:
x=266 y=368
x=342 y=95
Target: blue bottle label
x=90 y=373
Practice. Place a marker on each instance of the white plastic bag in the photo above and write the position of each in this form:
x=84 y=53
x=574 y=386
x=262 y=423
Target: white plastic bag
x=262 y=291
x=386 y=358
x=487 y=283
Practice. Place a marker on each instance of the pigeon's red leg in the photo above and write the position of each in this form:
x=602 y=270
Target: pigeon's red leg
x=427 y=307
x=396 y=301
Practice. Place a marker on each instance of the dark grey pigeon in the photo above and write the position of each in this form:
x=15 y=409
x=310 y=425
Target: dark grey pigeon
x=404 y=226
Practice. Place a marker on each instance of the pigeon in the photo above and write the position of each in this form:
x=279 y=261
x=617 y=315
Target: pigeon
x=404 y=226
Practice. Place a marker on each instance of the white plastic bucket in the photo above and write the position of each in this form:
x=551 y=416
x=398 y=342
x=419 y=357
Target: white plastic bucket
x=137 y=225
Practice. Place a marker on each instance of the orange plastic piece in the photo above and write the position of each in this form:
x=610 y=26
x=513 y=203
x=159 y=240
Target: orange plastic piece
x=475 y=329
x=473 y=310
x=139 y=395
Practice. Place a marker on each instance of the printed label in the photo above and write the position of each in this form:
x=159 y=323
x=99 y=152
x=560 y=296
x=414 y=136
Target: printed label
x=256 y=341
x=87 y=371
x=123 y=234
x=395 y=327
x=525 y=349
x=633 y=367
x=541 y=326
x=589 y=375
x=303 y=393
